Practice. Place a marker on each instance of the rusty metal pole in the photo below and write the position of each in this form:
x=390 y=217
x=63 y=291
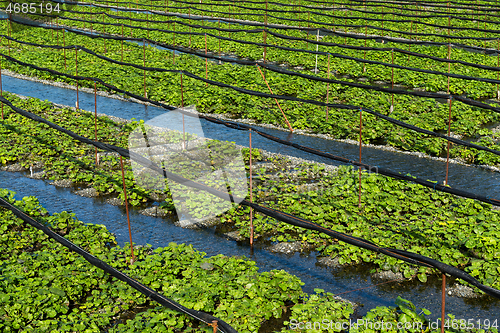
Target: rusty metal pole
x=95 y=120
x=265 y=34
x=219 y=37
x=333 y=18
x=317 y=49
x=122 y=42
x=498 y=65
x=173 y=43
x=251 y=194
x=360 y=144
x=64 y=44
x=9 y=26
x=214 y=325
x=409 y=45
x=364 y=53
x=262 y=74
x=182 y=105
x=449 y=119
x=392 y=81
x=1 y=87
x=328 y=87
x=206 y=61
x=443 y=301
x=144 y=64
x=126 y=210
x=76 y=73
x=449 y=143
x=104 y=32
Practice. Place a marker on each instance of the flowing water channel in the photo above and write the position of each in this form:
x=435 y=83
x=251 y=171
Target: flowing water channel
x=160 y=232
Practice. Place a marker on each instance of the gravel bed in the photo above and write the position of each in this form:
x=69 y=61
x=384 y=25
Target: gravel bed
x=388 y=276
x=37 y=175
x=89 y=192
x=329 y=262
x=286 y=247
x=62 y=183
x=234 y=235
x=154 y=211
x=115 y=201
x=459 y=290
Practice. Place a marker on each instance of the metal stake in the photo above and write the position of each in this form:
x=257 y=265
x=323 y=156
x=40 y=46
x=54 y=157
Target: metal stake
x=144 y=64
x=1 y=87
x=251 y=194
x=289 y=126
x=392 y=81
x=76 y=73
x=126 y=210
x=360 y=143
x=328 y=86
x=206 y=61
x=443 y=301
x=95 y=120
x=317 y=46
x=64 y=44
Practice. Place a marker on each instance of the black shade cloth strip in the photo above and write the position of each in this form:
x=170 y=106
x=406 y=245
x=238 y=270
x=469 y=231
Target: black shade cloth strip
x=325 y=23
x=341 y=34
x=278 y=35
x=406 y=256
x=148 y=292
x=266 y=95
x=343 y=8
x=286 y=72
x=334 y=25
x=361 y=3
x=445 y=4
x=322 y=29
x=335 y=55
x=330 y=4
x=245 y=127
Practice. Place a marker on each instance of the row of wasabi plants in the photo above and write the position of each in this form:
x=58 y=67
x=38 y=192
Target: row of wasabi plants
x=468 y=122
x=342 y=16
x=44 y=287
x=459 y=232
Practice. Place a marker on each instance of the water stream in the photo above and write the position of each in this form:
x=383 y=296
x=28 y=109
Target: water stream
x=471 y=178
x=159 y=232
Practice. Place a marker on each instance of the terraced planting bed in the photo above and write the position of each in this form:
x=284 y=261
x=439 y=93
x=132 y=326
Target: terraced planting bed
x=399 y=78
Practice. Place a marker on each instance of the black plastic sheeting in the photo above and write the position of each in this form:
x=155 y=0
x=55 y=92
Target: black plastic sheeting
x=309 y=9
x=282 y=36
x=148 y=292
x=282 y=97
x=276 y=69
x=406 y=256
x=352 y=3
x=309 y=22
